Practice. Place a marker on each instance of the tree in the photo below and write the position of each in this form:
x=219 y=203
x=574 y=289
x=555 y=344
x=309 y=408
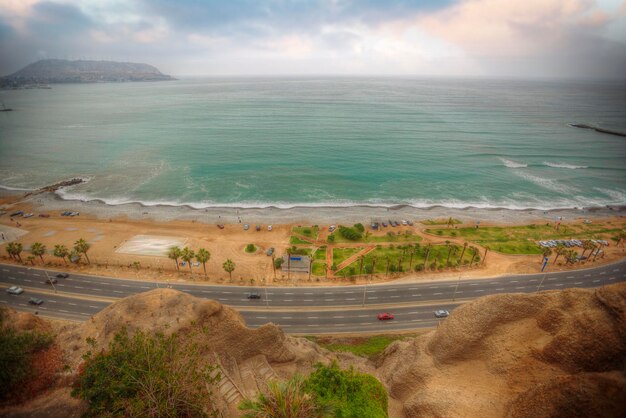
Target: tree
x=560 y=250
x=285 y=400
x=82 y=246
x=16 y=250
x=137 y=265
x=229 y=267
x=485 y=255
x=203 y=256
x=463 y=252
x=10 y=249
x=474 y=252
x=587 y=245
x=427 y=249
x=187 y=255
x=361 y=259
x=373 y=265
x=449 y=251
x=38 y=250
x=145 y=375
x=174 y=253
x=31 y=259
x=61 y=251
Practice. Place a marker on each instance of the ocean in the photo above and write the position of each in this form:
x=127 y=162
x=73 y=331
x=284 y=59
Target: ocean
x=321 y=141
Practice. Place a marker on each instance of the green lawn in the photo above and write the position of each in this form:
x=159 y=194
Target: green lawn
x=320 y=254
x=307 y=231
x=399 y=258
x=365 y=347
x=318 y=268
x=390 y=236
x=297 y=241
x=340 y=254
x=521 y=239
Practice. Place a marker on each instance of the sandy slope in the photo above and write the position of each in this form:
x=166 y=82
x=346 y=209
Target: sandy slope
x=547 y=354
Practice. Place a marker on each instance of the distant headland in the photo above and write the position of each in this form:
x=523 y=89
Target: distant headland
x=55 y=71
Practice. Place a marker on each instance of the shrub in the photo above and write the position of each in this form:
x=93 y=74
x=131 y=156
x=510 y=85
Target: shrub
x=359 y=227
x=331 y=238
x=419 y=267
x=278 y=262
x=351 y=393
x=250 y=248
x=146 y=375
x=350 y=233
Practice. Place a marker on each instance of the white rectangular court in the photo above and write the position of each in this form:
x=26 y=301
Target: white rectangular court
x=150 y=245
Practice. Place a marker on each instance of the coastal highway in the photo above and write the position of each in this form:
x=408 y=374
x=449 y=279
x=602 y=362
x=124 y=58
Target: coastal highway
x=298 y=309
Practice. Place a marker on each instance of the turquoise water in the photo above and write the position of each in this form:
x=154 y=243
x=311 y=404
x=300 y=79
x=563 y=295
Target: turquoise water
x=321 y=141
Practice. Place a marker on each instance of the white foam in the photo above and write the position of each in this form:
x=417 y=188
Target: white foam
x=546 y=183
x=512 y=164
x=616 y=195
x=565 y=165
x=19 y=189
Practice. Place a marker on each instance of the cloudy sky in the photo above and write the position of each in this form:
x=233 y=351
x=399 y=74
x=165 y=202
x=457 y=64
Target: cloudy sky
x=504 y=38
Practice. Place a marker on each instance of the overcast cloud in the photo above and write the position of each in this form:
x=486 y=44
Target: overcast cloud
x=506 y=38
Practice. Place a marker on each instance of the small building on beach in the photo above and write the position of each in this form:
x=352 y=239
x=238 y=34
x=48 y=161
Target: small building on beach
x=296 y=263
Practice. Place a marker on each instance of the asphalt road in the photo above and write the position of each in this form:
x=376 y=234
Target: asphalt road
x=298 y=309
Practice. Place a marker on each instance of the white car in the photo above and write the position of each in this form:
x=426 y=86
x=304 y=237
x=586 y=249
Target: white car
x=14 y=290
x=332 y=228
x=269 y=227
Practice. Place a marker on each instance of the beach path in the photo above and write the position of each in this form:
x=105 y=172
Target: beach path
x=355 y=257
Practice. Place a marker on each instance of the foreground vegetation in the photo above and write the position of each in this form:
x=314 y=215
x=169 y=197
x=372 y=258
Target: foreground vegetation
x=328 y=392
x=368 y=347
x=522 y=239
x=147 y=375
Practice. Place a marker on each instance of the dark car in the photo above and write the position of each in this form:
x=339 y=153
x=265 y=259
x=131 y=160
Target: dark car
x=51 y=281
x=254 y=295
x=384 y=224
x=35 y=301
x=62 y=275
x=220 y=226
x=269 y=251
x=44 y=215
x=18 y=213
x=441 y=313
x=374 y=225
x=385 y=316
x=258 y=228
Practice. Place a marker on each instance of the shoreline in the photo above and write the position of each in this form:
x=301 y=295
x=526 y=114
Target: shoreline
x=320 y=214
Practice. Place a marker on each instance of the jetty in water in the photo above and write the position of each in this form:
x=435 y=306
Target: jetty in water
x=601 y=130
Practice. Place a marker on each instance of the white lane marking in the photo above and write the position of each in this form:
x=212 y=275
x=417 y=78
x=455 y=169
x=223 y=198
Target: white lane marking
x=499 y=290
x=416 y=320
x=603 y=272
x=339 y=316
x=12 y=278
x=348 y=293
x=124 y=285
x=312 y=317
x=95 y=307
x=53 y=301
x=5 y=270
x=413 y=288
x=117 y=291
x=430 y=287
x=20 y=272
x=559 y=284
x=365 y=323
x=261 y=317
x=35 y=274
x=286 y=317
x=61 y=310
x=362 y=316
x=70 y=303
x=395 y=296
x=83 y=313
x=596 y=281
x=514 y=281
x=287 y=300
x=533 y=280
x=313 y=325
x=435 y=294
x=26 y=280
x=205 y=291
x=615 y=270
x=308 y=293
x=611 y=278
x=21 y=304
x=144 y=287
x=308 y=300
x=416 y=295
x=286 y=293
x=372 y=297
x=352 y=298
x=473 y=284
x=328 y=293
x=479 y=290
x=79 y=287
x=578 y=282
x=460 y=291
x=226 y=292
x=569 y=277
x=97 y=290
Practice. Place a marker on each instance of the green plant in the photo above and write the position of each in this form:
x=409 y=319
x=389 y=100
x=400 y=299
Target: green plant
x=278 y=262
x=146 y=375
x=229 y=267
x=351 y=234
x=250 y=248
x=81 y=246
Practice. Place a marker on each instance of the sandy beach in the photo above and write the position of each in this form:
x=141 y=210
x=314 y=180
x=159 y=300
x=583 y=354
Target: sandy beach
x=116 y=231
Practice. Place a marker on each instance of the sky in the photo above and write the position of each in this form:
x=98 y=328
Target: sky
x=450 y=38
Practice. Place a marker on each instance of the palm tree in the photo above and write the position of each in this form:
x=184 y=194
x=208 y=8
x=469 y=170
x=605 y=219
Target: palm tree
x=187 y=255
x=388 y=260
x=82 y=246
x=485 y=255
x=426 y=254
x=229 y=267
x=361 y=259
x=373 y=265
x=61 y=251
x=546 y=254
x=474 y=252
x=17 y=250
x=174 y=253
x=463 y=252
x=560 y=249
x=31 y=259
x=449 y=251
x=10 y=248
x=587 y=245
x=203 y=256
x=38 y=249
x=286 y=400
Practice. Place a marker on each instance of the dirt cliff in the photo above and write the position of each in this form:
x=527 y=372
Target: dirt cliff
x=517 y=355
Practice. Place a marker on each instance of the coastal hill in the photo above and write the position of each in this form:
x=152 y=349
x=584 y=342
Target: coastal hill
x=51 y=71
x=552 y=353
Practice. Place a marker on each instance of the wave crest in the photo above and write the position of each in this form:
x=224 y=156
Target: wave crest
x=512 y=164
x=565 y=165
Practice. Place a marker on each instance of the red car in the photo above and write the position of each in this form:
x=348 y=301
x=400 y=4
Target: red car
x=384 y=316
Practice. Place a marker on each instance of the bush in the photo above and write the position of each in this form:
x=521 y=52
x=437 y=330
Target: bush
x=17 y=352
x=350 y=233
x=331 y=238
x=278 y=262
x=250 y=248
x=352 y=394
x=359 y=227
x=146 y=375
x=419 y=267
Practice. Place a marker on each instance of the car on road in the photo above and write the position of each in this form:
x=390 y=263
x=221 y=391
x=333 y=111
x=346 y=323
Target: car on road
x=332 y=228
x=253 y=295
x=258 y=228
x=246 y=227
x=14 y=290
x=27 y=215
x=220 y=226
x=44 y=215
x=384 y=224
x=51 y=281
x=404 y=222
x=441 y=313
x=269 y=251
x=269 y=227
x=17 y=213
x=384 y=316
x=35 y=301
x=62 y=276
